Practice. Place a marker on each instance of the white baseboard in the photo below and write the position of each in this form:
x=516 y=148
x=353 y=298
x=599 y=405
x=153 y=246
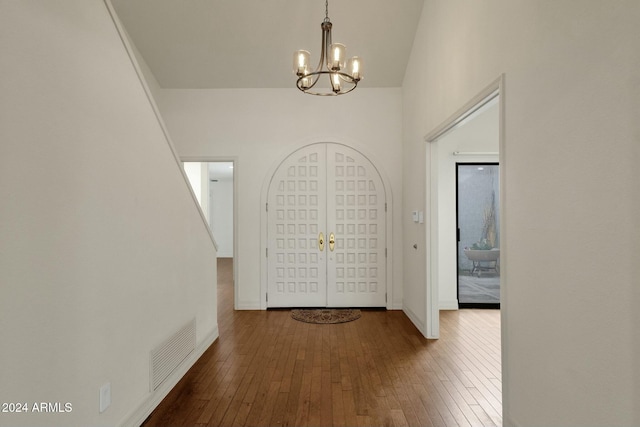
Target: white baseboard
x=244 y=305
x=256 y=306
x=141 y=413
x=449 y=305
x=414 y=319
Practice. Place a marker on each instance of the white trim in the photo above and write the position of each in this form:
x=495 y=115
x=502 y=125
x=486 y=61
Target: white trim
x=286 y=152
x=432 y=294
x=504 y=287
x=496 y=88
x=156 y=111
x=475 y=153
x=147 y=406
x=477 y=102
x=449 y=305
x=397 y=305
x=251 y=305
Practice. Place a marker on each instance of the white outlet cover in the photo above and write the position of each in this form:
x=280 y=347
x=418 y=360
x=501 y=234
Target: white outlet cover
x=105 y=397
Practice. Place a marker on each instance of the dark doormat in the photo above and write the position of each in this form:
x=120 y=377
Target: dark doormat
x=326 y=315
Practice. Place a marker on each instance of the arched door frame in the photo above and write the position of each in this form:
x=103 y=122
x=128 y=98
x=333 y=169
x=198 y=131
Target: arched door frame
x=263 y=213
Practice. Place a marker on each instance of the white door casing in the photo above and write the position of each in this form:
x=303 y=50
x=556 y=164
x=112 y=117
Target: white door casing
x=334 y=190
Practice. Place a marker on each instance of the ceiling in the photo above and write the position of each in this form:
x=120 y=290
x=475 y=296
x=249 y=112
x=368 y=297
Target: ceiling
x=250 y=43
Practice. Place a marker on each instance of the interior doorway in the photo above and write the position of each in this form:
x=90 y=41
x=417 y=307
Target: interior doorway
x=478 y=234
x=214 y=184
x=221 y=206
x=465 y=136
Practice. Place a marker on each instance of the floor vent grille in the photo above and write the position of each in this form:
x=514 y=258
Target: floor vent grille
x=167 y=357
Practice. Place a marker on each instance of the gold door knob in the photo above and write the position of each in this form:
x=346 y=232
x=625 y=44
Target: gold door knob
x=332 y=241
x=321 y=242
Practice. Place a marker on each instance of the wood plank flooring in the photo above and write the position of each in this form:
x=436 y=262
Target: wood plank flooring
x=267 y=369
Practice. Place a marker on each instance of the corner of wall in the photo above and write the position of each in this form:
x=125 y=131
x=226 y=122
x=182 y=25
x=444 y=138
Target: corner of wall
x=147 y=406
x=414 y=319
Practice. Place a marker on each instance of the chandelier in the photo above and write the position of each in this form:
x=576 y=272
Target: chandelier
x=338 y=78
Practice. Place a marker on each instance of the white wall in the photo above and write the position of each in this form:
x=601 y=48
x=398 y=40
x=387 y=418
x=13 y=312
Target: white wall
x=570 y=165
x=204 y=198
x=100 y=259
x=149 y=78
x=194 y=172
x=222 y=216
x=198 y=176
x=260 y=127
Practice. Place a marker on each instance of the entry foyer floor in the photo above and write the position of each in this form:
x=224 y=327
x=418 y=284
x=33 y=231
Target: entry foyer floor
x=267 y=369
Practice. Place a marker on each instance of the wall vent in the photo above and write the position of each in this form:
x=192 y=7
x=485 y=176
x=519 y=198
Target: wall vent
x=167 y=356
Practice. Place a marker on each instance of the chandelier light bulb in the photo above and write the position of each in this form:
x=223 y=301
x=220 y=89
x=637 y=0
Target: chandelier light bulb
x=306 y=82
x=336 y=59
x=301 y=62
x=335 y=82
x=355 y=68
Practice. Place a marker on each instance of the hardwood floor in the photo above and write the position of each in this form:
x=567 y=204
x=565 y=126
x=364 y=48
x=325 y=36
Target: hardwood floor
x=267 y=369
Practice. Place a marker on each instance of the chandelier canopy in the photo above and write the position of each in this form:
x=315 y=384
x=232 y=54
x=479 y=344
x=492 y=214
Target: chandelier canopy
x=339 y=77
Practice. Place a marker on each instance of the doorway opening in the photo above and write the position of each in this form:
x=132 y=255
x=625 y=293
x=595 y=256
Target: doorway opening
x=475 y=133
x=478 y=234
x=221 y=206
x=213 y=183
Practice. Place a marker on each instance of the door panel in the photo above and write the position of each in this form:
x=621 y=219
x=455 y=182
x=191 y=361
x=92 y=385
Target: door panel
x=296 y=216
x=356 y=215
x=333 y=190
x=478 y=223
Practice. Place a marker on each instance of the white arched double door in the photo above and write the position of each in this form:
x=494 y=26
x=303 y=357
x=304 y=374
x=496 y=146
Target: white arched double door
x=326 y=230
